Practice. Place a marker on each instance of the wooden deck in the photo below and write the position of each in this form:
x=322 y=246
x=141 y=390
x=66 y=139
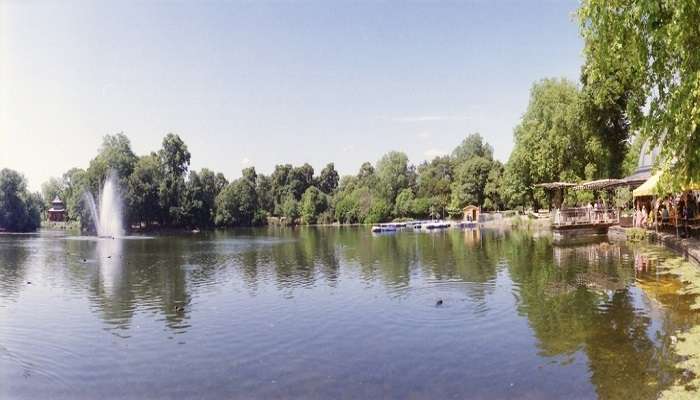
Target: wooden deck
x=584 y=220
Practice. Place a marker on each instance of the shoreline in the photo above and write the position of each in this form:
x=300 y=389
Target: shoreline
x=689 y=248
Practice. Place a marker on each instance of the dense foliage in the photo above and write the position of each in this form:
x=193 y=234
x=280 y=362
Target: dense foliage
x=20 y=211
x=641 y=75
x=643 y=55
x=159 y=190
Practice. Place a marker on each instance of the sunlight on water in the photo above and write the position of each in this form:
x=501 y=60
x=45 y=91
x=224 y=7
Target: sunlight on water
x=331 y=313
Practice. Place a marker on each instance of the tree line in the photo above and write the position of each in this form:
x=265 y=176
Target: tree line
x=639 y=82
x=562 y=135
x=159 y=190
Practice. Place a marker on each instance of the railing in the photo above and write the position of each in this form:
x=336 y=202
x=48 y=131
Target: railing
x=585 y=216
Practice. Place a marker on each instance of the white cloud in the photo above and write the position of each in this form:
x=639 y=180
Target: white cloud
x=432 y=153
x=245 y=161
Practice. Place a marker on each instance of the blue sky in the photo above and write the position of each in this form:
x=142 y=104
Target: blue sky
x=256 y=83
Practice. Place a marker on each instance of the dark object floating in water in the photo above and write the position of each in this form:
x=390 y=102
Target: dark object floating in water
x=179 y=308
x=109 y=256
x=84 y=260
x=439 y=302
x=29 y=283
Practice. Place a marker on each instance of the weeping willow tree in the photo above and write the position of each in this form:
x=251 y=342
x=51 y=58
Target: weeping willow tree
x=646 y=52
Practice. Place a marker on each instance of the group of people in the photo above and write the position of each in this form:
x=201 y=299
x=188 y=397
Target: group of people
x=667 y=210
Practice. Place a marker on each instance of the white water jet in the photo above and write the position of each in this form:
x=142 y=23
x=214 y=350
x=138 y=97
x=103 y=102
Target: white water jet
x=108 y=218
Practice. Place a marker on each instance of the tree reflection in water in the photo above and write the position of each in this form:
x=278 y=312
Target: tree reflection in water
x=601 y=305
x=594 y=310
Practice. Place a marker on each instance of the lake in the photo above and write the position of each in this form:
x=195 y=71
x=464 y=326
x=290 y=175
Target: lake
x=334 y=313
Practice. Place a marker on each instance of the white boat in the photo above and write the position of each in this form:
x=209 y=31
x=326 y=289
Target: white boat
x=381 y=228
x=465 y=224
x=432 y=225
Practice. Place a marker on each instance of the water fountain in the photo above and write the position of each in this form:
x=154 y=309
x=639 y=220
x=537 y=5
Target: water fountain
x=108 y=218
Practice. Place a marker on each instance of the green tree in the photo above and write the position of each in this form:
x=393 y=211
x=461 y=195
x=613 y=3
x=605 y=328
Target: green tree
x=552 y=140
x=19 y=209
x=75 y=184
x=470 y=182
x=265 y=193
x=290 y=208
x=472 y=146
x=631 y=161
x=622 y=197
x=313 y=203
x=199 y=200
x=379 y=211
x=280 y=186
x=493 y=190
x=367 y=176
x=434 y=185
x=392 y=173
x=143 y=190
x=175 y=160
x=404 y=203
x=116 y=155
x=647 y=52
x=328 y=179
x=52 y=188
x=300 y=179
x=236 y=204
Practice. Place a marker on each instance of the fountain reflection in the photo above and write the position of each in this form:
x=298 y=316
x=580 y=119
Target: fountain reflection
x=133 y=277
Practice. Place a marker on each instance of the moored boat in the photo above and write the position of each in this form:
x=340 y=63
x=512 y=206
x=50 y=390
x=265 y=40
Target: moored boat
x=381 y=228
x=432 y=225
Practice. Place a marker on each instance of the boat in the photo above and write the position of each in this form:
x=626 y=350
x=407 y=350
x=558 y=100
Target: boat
x=382 y=228
x=414 y=224
x=432 y=225
x=466 y=224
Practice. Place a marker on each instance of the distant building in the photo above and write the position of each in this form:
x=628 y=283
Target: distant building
x=57 y=212
x=471 y=213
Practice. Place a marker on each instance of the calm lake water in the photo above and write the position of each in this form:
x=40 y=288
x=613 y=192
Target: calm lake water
x=334 y=313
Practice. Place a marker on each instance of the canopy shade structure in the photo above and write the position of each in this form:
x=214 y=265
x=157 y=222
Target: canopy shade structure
x=600 y=184
x=636 y=179
x=555 y=185
x=647 y=188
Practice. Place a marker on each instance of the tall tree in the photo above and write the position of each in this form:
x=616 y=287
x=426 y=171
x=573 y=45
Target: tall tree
x=313 y=203
x=300 y=179
x=75 y=184
x=470 y=182
x=393 y=175
x=493 y=190
x=434 y=184
x=367 y=176
x=647 y=52
x=328 y=179
x=143 y=194
x=236 y=204
x=115 y=155
x=265 y=193
x=553 y=141
x=175 y=160
x=19 y=209
x=472 y=146
x=280 y=185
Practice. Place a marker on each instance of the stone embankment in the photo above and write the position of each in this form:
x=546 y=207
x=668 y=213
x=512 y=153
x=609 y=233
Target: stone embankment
x=688 y=247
